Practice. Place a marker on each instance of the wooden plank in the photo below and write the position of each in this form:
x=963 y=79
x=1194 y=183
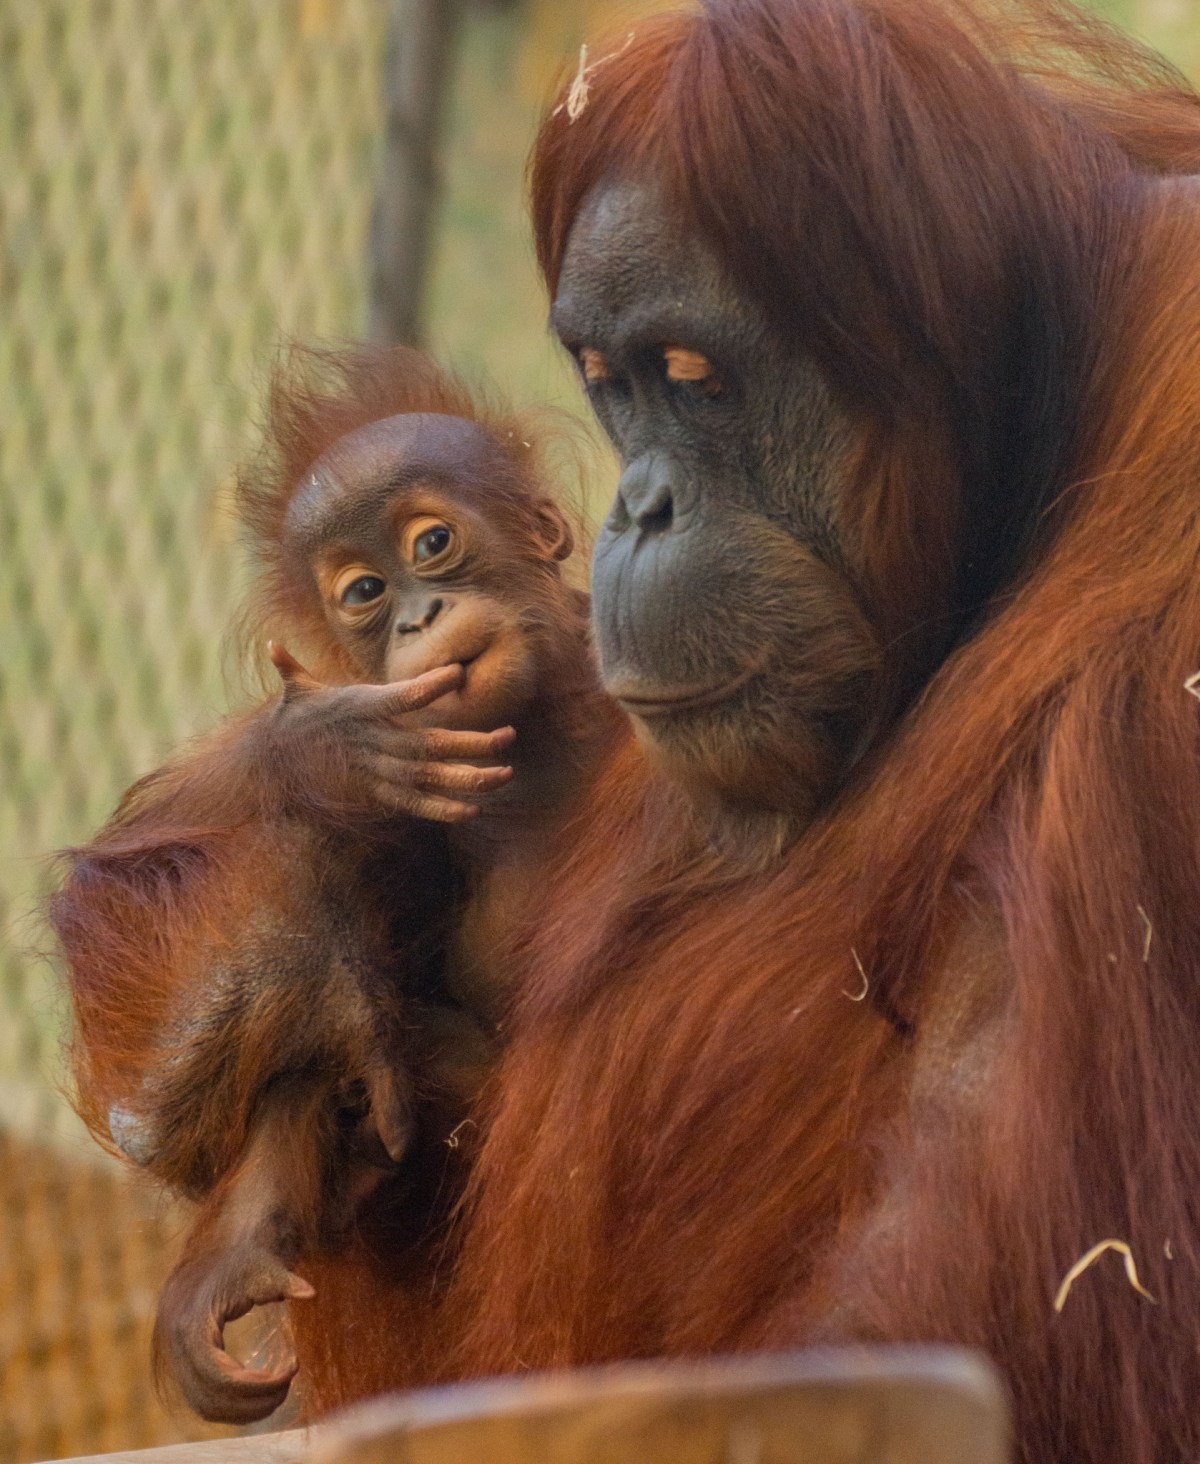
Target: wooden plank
x=271 y=1448
x=867 y=1406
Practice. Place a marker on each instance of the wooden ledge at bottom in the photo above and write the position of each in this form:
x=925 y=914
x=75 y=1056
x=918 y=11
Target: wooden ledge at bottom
x=854 y=1406
x=268 y=1448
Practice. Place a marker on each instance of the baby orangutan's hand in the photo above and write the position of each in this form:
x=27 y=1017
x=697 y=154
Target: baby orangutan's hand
x=355 y=750
x=201 y=1296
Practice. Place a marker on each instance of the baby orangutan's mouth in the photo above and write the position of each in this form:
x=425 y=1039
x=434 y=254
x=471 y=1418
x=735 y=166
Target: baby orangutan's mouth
x=466 y=662
x=668 y=701
x=461 y=646
x=474 y=655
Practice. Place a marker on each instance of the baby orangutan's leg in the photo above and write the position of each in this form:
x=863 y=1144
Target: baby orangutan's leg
x=298 y=1183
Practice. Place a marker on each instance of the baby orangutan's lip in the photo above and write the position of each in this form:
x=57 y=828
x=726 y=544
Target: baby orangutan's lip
x=466 y=660
x=458 y=645
x=667 y=701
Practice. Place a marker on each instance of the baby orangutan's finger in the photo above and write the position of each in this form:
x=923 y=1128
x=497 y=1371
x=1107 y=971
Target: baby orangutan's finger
x=271 y=1283
x=391 y=1111
x=411 y=696
x=437 y=777
x=424 y=805
x=438 y=745
x=441 y=746
x=456 y=778
x=285 y=663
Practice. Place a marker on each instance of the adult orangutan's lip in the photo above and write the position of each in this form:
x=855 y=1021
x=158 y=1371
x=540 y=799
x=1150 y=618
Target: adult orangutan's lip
x=666 y=703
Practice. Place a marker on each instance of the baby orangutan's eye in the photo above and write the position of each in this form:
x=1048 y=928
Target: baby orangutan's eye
x=363 y=590
x=431 y=543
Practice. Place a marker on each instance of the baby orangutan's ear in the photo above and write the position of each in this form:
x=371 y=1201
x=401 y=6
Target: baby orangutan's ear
x=552 y=531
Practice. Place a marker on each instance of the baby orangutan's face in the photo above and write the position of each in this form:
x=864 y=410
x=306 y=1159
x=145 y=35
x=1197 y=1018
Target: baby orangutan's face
x=416 y=570
x=421 y=601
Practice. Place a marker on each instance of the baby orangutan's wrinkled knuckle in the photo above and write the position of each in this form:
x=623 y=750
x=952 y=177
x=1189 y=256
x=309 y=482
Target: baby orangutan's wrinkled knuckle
x=395 y=771
x=394 y=797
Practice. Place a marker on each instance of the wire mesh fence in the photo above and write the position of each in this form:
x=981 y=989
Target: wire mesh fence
x=183 y=184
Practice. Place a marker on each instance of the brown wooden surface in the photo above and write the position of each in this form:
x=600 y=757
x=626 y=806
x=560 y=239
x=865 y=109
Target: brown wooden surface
x=869 y=1406
x=273 y=1448
x=866 y=1406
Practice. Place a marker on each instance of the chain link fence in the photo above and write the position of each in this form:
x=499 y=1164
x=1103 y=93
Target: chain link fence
x=183 y=185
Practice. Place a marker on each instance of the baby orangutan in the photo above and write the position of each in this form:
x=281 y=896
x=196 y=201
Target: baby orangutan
x=287 y=951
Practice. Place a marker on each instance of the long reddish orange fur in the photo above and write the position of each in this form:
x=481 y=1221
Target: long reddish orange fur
x=694 y=1122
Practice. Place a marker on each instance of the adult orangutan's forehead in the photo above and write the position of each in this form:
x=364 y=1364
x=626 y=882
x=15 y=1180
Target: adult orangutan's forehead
x=353 y=480
x=631 y=270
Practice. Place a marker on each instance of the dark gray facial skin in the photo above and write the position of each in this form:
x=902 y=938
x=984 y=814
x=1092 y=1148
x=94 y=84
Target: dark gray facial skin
x=726 y=620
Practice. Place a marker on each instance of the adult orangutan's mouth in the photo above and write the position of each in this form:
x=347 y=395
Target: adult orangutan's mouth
x=666 y=702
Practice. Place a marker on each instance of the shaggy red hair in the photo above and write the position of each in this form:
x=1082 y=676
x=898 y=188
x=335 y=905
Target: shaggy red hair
x=318 y=396
x=964 y=215
x=698 y=1140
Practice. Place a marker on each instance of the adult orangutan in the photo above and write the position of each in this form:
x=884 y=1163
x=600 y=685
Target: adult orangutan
x=891 y=310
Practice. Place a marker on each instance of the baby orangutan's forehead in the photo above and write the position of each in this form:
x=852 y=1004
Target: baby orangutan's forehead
x=349 y=486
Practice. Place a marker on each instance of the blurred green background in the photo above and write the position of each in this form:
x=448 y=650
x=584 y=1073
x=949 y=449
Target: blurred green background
x=184 y=184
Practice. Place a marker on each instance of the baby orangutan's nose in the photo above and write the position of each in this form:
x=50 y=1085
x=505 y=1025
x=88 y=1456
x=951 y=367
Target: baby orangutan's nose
x=420 y=616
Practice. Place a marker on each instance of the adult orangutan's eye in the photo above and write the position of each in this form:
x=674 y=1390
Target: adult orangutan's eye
x=604 y=386
x=691 y=369
x=593 y=365
x=363 y=590
x=432 y=542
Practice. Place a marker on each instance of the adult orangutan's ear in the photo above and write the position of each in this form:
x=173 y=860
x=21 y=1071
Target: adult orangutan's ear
x=552 y=530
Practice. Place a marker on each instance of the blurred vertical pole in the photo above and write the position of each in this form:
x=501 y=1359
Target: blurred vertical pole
x=417 y=69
